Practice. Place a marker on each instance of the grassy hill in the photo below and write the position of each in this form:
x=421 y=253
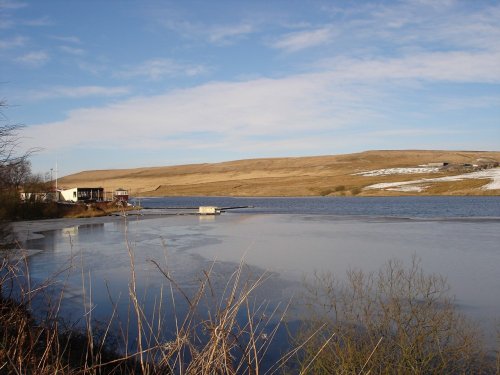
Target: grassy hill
x=300 y=176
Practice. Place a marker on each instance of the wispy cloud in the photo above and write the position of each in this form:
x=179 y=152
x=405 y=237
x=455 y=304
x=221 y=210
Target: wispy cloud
x=72 y=50
x=67 y=39
x=36 y=22
x=416 y=25
x=217 y=34
x=78 y=92
x=478 y=102
x=17 y=41
x=457 y=67
x=239 y=113
x=7 y=8
x=346 y=93
x=94 y=68
x=373 y=73
x=159 y=68
x=300 y=40
x=10 y=4
x=34 y=59
x=6 y=22
x=227 y=34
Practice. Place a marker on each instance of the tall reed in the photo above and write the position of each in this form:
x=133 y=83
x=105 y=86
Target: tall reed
x=222 y=332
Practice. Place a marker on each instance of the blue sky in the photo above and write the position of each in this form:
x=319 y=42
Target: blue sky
x=119 y=84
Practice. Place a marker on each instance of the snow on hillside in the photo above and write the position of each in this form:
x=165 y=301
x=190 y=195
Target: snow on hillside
x=389 y=171
x=422 y=184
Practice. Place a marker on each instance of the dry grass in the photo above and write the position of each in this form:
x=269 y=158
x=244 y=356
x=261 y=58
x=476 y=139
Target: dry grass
x=222 y=332
x=464 y=187
x=94 y=210
x=305 y=176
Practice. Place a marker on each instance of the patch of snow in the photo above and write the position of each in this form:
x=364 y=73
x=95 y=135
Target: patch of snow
x=493 y=174
x=394 y=185
x=390 y=171
x=408 y=189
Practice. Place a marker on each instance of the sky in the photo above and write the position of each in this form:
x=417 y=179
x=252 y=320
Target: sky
x=123 y=84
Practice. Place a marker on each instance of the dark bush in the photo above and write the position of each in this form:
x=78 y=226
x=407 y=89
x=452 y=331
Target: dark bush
x=396 y=321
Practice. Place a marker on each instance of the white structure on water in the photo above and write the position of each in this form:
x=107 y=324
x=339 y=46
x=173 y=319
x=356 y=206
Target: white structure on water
x=209 y=210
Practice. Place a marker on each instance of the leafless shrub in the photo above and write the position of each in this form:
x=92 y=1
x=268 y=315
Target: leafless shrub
x=396 y=321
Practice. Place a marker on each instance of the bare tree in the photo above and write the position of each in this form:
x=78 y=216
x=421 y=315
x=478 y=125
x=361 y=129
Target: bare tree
x=9 y=139
x=15 y=168
x=15 y=174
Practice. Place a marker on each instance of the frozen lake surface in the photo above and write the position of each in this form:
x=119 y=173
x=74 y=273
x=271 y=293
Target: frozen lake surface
x=463 y=248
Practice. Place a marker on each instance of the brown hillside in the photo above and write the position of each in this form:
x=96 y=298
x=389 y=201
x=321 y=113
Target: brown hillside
x=301 y=176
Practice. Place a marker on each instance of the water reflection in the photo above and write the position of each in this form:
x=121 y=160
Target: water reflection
x=289 y=246
x=83 y=230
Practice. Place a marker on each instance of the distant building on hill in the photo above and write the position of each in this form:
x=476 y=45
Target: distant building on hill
x=438 y=164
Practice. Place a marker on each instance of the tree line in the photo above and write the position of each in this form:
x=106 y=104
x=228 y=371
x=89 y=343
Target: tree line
x=16 y=175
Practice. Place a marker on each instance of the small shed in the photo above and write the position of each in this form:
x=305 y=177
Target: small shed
x=120 y=195
x=85 y=194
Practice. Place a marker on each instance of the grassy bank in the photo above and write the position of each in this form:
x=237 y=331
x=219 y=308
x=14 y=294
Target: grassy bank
x=13 y=209
x=94 y=209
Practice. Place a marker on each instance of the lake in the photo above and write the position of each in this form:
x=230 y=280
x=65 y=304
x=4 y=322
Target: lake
x=290 y=238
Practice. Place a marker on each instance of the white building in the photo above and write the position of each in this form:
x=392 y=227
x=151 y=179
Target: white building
x=82 y=195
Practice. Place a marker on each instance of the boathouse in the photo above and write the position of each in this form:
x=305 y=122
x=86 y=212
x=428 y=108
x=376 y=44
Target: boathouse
x=85 y=194
x=121 y=195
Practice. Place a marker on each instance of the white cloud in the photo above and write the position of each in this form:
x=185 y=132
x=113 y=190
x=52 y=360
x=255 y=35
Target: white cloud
x=78 y=92
x=261 y=112
x=378 y=89
x=239 y=110
x=34 y=59
x=158 y=68
x=300 y=40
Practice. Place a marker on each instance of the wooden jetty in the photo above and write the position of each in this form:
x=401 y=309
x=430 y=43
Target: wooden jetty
x=173 y=211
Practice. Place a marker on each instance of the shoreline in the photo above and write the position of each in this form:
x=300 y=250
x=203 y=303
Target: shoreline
x=30 y=229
